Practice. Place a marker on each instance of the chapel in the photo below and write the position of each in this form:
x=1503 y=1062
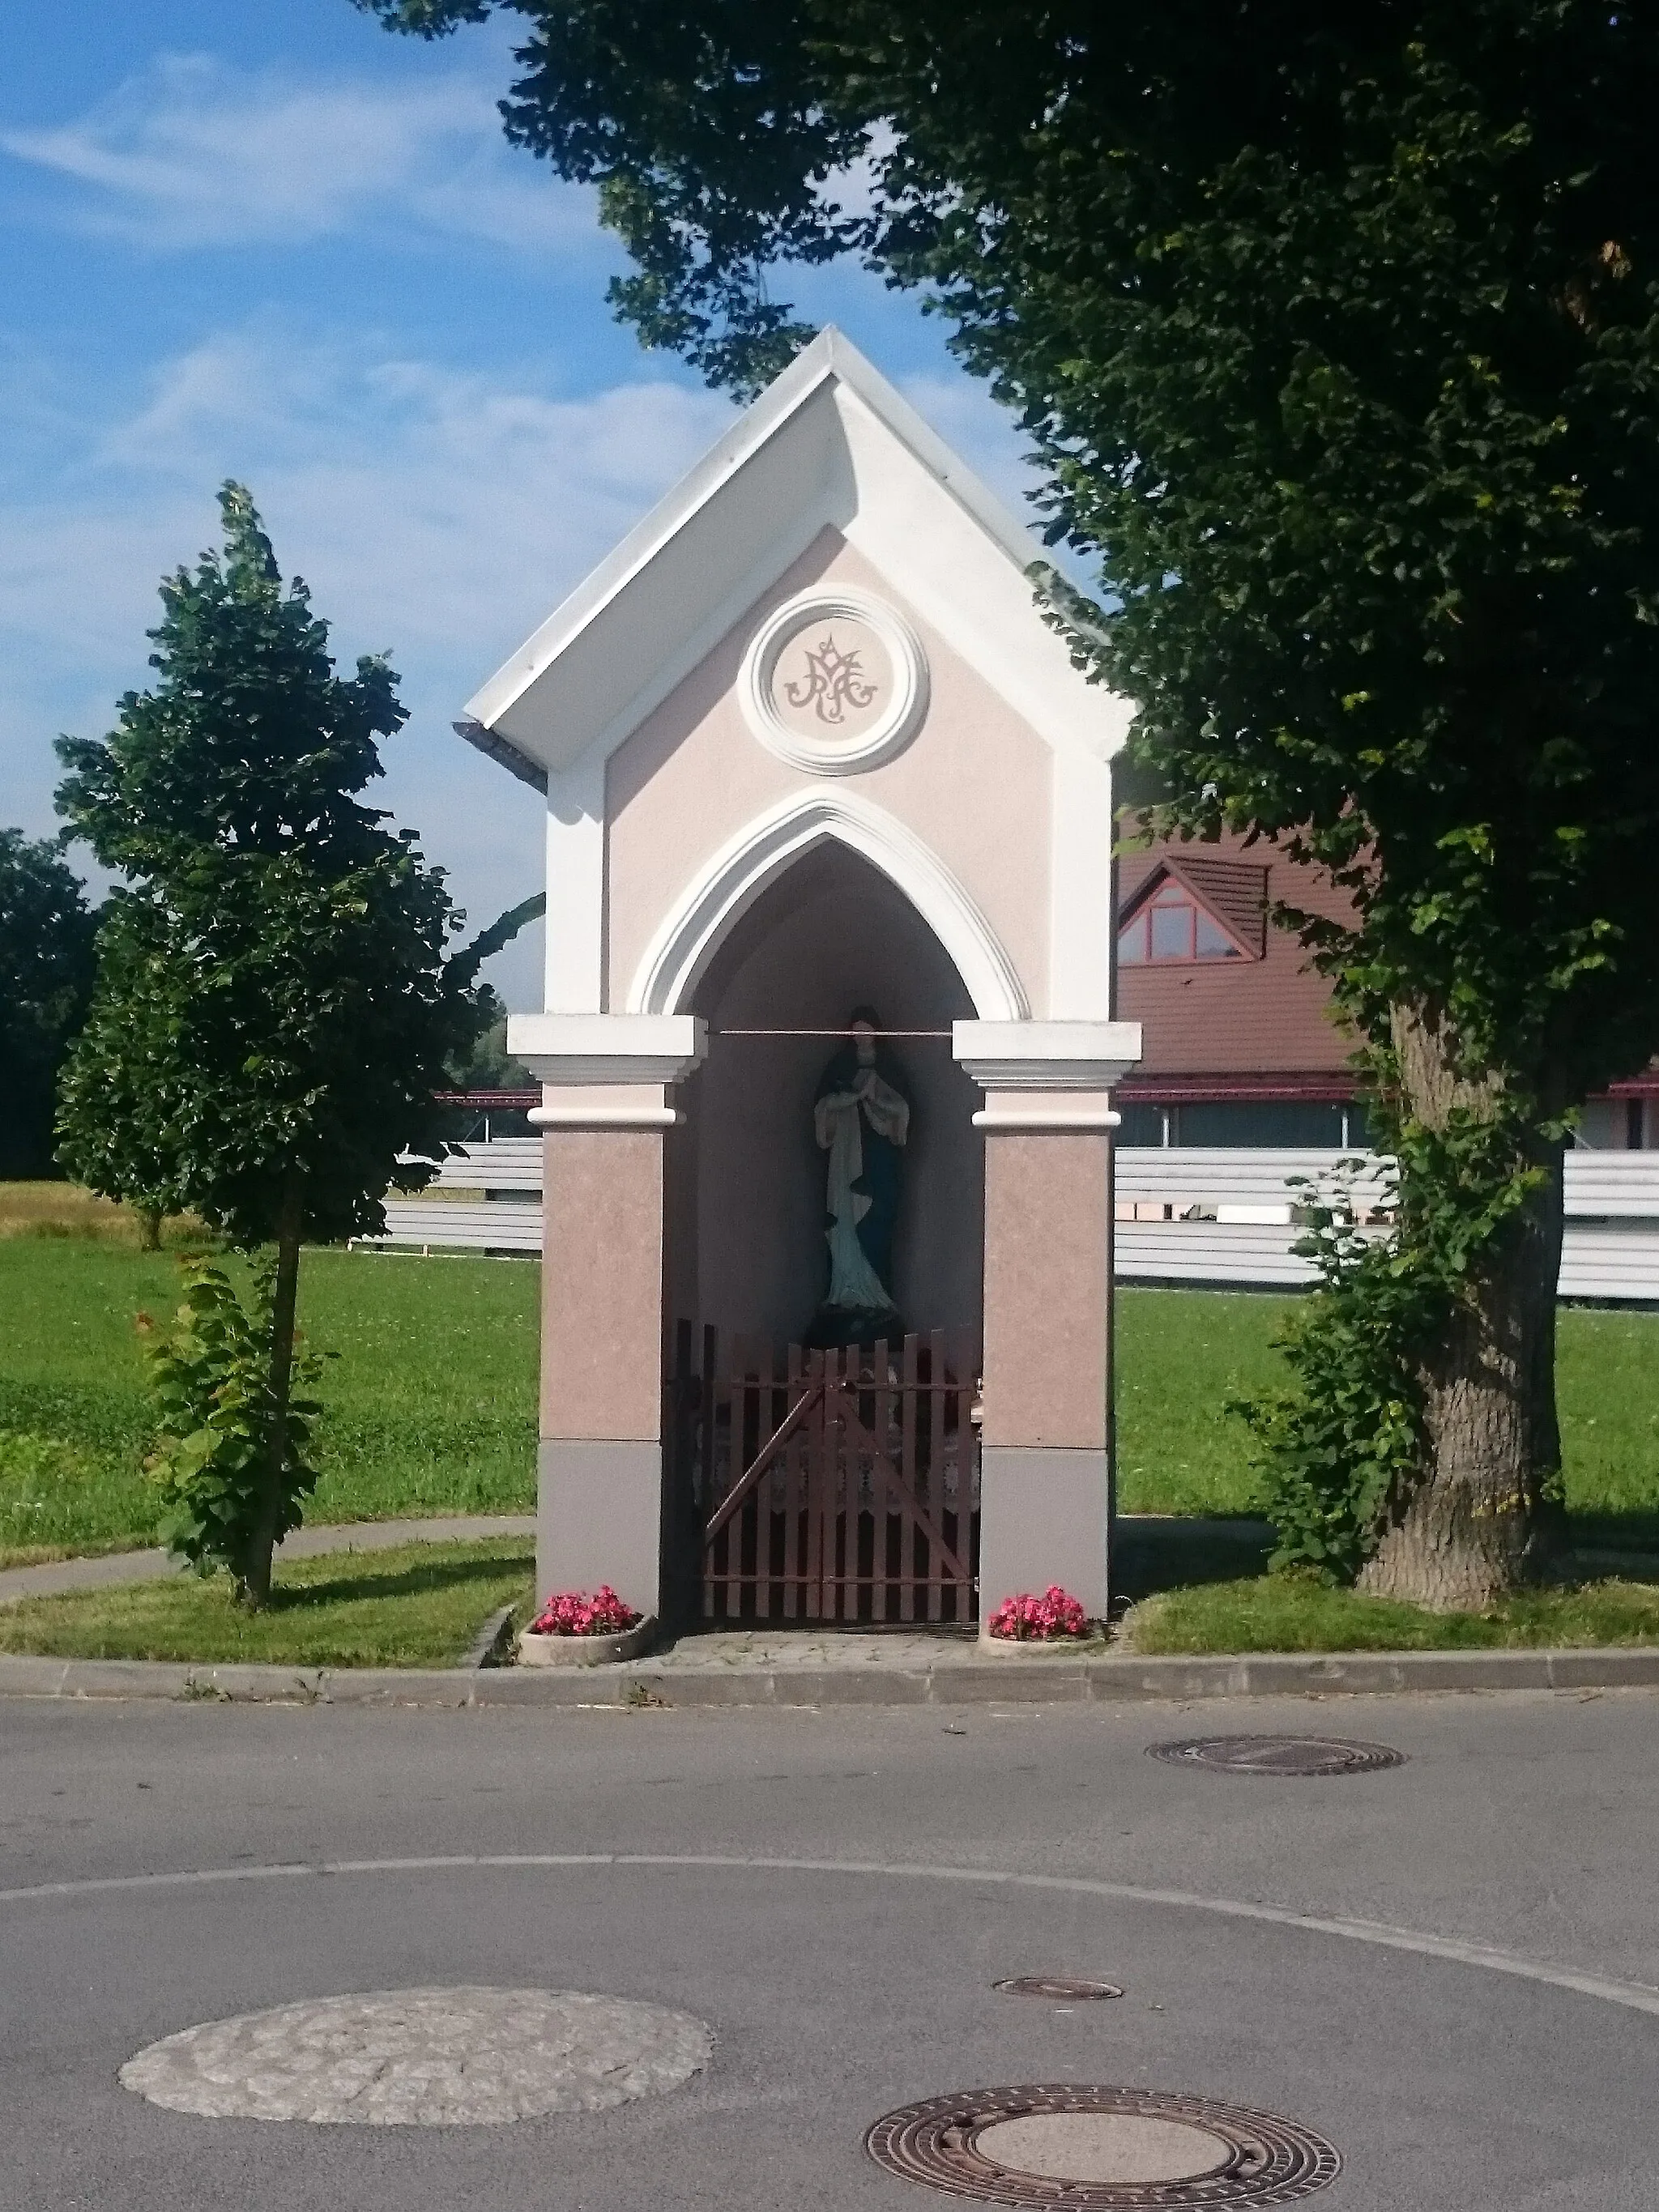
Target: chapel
x=828 y=1041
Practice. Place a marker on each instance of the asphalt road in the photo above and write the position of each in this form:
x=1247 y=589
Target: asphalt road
x=1466 y=2022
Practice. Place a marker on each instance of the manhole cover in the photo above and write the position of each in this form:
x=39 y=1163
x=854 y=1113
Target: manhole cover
x=1279 y=1754
x=1102 y=2150
x=424 y=2058
x=1056 y=1987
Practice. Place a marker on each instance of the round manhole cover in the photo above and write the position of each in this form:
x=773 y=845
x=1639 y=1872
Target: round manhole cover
x=1057 y=1988
x=1313 y=1756
x=1102 y=2150
x=424 y=2058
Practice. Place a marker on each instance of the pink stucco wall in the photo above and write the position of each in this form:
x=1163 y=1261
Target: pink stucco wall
x=602 y=1287
x=973 y=784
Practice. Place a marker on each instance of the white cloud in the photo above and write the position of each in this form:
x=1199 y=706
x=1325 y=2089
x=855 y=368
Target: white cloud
x=192 y=154
x=986 y=436
x=436 y=516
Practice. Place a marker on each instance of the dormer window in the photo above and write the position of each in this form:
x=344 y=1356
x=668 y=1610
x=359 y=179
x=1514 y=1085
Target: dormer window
x=1172 y=925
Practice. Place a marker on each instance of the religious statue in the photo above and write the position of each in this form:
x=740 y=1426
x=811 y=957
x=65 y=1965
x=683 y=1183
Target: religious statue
x=861 y=1118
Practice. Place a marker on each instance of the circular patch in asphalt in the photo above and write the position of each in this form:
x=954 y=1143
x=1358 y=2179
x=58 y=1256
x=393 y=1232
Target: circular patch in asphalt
x=1058 y=1988
x=1295 y=1755
x=1102 y=2150
x=424 y=2058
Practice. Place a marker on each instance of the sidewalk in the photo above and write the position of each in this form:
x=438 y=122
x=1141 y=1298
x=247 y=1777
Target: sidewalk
x=703 y=1671
x=114 y=1568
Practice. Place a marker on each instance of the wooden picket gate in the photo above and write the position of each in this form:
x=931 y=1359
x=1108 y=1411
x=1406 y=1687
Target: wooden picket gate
x=839 y=1485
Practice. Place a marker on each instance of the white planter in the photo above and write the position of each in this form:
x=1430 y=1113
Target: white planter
x=585 y=1650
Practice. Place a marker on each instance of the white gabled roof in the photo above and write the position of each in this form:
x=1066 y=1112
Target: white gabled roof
x=829 y=443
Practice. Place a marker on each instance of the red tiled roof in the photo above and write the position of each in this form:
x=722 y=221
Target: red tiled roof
x=1261 y=1022
x=492 y=1098
x=1235 y=891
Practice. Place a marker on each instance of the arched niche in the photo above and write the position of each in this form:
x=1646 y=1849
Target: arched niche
x=746 y=1180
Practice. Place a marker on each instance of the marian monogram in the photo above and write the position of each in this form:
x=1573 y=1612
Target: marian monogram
x=834 y=683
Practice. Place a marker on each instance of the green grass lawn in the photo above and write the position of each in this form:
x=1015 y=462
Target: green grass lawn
x=1277 y=1612
x=431 y=1396
x=1182 y=1354
x=420 y=1604
x=430 y=1399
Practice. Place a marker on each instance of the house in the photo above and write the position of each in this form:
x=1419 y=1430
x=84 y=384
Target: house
x=1241 y=1047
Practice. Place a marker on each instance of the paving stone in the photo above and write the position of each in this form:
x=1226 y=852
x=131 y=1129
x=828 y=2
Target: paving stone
x=424 y=2058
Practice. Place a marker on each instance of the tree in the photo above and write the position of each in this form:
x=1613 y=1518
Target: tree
x=488 y=1065
x=274 y=1007
x=1338 y=330
x=46 y=976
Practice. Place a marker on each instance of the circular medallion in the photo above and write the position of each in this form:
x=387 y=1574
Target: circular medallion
x=424 y=2058
x=1301 y=1756
x=1102 y=2150
x=834 y=681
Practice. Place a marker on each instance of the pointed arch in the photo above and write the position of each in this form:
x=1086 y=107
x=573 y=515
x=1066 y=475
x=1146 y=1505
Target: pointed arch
x=700 y=918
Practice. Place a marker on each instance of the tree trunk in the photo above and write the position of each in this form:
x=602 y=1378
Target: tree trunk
x=1475 y=1522
x=255 y=1581
x=149 y=1228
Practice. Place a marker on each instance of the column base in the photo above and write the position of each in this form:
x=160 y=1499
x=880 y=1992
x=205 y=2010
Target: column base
x=599 y=1519
x=1042 y=1520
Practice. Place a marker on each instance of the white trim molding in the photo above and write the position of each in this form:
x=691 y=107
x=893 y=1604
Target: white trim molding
x=575 y=961
x=1046 y=1056
x=710 y=906
x=1081 y=923
x=602 y=1117
x=829 y=445
x=1048 y=1117
x=893 y=728
x=607 y=1048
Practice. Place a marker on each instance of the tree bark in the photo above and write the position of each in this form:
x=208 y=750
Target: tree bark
x=1475 y=1522
x=149 y=1228
x=255 y=1579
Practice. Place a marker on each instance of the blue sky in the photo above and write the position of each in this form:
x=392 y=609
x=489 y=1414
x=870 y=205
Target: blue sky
x=266 y=239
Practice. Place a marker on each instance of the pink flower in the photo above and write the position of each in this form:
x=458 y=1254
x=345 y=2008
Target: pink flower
x=568 y=1613
x=1028 y=1618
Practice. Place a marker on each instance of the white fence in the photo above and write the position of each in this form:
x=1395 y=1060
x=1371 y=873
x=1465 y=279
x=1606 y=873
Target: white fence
x=1184 y=1215
x=509 y=1164
x=1196 y=1215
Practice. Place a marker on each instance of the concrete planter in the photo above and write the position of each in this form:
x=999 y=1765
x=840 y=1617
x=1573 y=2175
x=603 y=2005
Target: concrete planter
x=1050 y=1647
x=586 y=1650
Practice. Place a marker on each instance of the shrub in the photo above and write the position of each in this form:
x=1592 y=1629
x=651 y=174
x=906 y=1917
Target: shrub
x=217 y=1414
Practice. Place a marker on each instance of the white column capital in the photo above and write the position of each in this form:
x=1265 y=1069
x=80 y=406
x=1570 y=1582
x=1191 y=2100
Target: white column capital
x=608 y=1048
x=1046 y=1056
x=1046 y=1075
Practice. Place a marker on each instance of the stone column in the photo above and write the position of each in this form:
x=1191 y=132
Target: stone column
x=1045 y=1473
x=606 y=1109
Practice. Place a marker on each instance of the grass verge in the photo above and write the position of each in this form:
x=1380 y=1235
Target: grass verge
x=431 y=1397
x=418 y=1605
x=1182 y=1354
x=430 y=1392
x=1278 y=1612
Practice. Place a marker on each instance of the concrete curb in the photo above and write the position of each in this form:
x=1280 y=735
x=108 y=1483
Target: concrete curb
x=1116 y=1677
x=490 y=1647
